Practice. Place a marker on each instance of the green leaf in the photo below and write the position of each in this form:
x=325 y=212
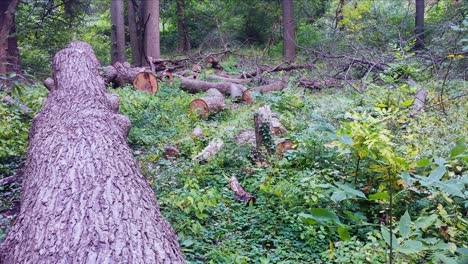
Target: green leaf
x=407 y=103
x=345 y=139
x=320 y=215
x=423 y=162
x=379 y=196
x=444 y=259
x=452 y=188
x=424 y=222
x=351 y=191
x=386 y=236
x=343 y=233
x=404 y=226
x=338 y=196
x=407 y=178
x=459 y=148
x=411 y=247
x=437 y=174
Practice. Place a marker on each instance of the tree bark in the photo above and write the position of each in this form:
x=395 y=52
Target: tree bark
x=239 y=193
x=83 y=198
x=183 y=40
x=9 y=55
x=207 y=105
x=196 y=86
x=135 y=40
x=117 y=31
x=289 y=35
x=151 y=31
x=419 y=25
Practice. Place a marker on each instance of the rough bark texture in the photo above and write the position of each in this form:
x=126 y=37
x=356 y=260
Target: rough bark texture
x=121 y=73
x=183 y=40
x=83 y=198
x=207 y=105
x=419 y=25
x=117 y=31
x=151 y=30
x=9 y=56
x=135 y=42
x=196 y=86
x=239 y=193
x=289 y=35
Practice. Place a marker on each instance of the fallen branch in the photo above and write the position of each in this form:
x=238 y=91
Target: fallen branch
x=213 y=147
x=239 y=193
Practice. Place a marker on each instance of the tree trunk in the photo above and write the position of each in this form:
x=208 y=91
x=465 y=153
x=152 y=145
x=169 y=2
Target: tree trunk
x=117 y=31
x=9 y=55
x=207 y=105
x=289 y=39
x=135 y=42
x=83 y=198
x=419 y=25
x=183 y=41
x=151 y=31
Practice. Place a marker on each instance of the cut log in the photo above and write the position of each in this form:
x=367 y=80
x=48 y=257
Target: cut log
x=83 y=198
x=239 y=193
x=196 y=86
x=209 y=151
x=229 y=80
x=146 y=81
x=214 y=92
x=170 y=152
x=207 y=105
x=283 y=146
x=419 y=102
x=268 y=88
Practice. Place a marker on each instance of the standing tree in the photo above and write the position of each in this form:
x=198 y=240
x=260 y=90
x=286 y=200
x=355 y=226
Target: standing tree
x=9 y=55
x=183 y=40
x=135 y=40
x=289 y=43
x=419 y=25
x=83 y=198
x=117 y=31
x=150 y=30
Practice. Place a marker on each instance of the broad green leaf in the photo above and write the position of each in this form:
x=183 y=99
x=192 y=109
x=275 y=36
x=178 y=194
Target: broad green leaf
x=452 y=188
x=407 y=103
x=343 y=233
x=379 y=196
x=338 y=196
x=350 y=190
x=444 y=259
x=423 y=162
x=411 y=247
x=386 y=236
x=424 y=222
x=458 y=149
x=437 y=174
x=324 y=216
x=404 y=226
x=307 y=219
x=407 y=178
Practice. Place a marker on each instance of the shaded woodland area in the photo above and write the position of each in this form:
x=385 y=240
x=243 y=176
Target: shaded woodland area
x=292 y=131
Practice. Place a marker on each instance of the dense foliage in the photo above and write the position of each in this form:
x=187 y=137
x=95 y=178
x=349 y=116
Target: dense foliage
x=366 y=171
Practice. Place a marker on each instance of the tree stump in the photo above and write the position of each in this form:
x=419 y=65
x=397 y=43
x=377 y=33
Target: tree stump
x=83 y=198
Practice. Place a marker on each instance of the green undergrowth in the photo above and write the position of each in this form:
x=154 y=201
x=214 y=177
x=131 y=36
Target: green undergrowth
x=326 y=201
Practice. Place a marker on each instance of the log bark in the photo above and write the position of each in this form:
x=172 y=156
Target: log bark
x=207 y=105
x=209 y=151
x=83 y=198
x=239 y=193
x=230 y=89
x=227 y=79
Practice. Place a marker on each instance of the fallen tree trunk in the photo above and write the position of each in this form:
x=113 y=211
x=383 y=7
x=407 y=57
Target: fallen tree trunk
x=268 y=88
x=207 y=105
x=239 y=193
x=230 y=89
x=229 y=80
x=83 y=198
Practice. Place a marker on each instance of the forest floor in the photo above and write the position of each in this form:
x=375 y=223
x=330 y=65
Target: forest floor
x=323 y=201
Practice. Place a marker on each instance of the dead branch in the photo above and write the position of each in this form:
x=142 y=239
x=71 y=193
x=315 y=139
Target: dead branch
x=239 y=193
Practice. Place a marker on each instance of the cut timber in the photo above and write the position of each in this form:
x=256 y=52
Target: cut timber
x=274 y=86
x=266 y=116
x=214 y=92
x=83 y=197
x=146 y=81
x=121 y=73
x=196 y=86
x=283 y=146
x=239 y=193
x=170 y=152
x=213 y=147
x=227 y=79
x=207 y=105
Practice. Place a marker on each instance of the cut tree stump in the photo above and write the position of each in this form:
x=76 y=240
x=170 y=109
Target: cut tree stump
x=207 y=105
x=239 y=193
x=146 y=81
x=83 y=197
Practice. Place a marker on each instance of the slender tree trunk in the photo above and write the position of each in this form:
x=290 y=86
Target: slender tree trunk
x=135 y=40
x=9 y=55
x=117 y=32
x=151 y=30
x=339 y=15
x=419 y=25
x=83 y=198
x=183 y=42
x=289 y=43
